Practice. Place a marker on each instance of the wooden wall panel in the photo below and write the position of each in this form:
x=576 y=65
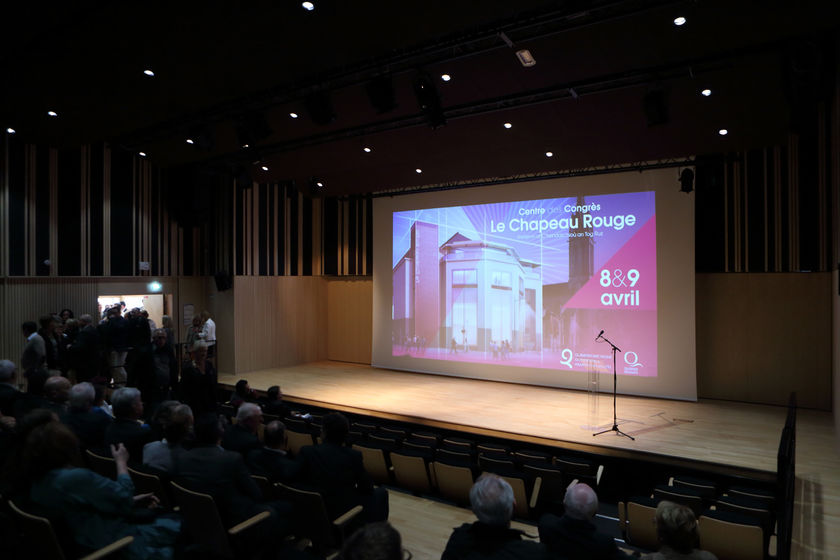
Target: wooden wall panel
x=350 y=319
x=279 y=321
x=761 y=336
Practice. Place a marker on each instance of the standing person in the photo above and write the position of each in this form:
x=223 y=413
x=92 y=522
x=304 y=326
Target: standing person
x=156 y=372
x=208 y=333
x=193 y=333
x=48 y=334
x=114 y=331
x=197 y=386
x=85 y=353
x=35 y=352
x=168 y=325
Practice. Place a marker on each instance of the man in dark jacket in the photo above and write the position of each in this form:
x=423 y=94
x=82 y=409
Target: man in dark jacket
x=574 y=536
x=126 y=427
x=338 y=473
x=242 y=436
x=272 y=461
x=491 y=537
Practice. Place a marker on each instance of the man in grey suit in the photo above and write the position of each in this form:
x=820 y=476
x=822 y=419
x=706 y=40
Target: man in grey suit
x=35 y=351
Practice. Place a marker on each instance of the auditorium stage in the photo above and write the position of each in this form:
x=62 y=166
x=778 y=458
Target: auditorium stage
x=726 y=437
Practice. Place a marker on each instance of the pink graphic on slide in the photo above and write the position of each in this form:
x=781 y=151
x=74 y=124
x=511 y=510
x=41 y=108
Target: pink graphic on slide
x=627 y=280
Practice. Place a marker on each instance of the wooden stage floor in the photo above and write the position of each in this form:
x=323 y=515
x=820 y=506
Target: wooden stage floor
x=725 y=436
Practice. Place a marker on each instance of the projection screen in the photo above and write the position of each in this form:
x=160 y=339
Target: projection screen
x=516 y=283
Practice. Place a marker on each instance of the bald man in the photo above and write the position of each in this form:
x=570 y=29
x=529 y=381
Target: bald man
x=574 y=536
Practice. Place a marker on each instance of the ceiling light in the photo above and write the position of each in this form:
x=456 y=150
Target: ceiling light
x=445 y=77
x=264 y=168
x=10 y=130
x=149 y=72
x=142 y=154
x=293 y=115
x=549 y=154
x=508 y=125
x=155 y=286
x=319 y=183
x=679 y=21
x=418 y=170
x=190 y=141
x=526 y=58
x=246 y=145
x=366 y=149
x=723 y=132
x=706 y=92
x=308 y=6
x=52 y=113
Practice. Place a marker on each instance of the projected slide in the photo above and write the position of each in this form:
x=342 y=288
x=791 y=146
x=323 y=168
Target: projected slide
x=529 y=283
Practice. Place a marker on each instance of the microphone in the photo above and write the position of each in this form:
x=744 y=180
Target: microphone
x=599 y=334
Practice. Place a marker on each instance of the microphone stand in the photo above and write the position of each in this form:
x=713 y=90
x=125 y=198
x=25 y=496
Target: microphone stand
x=614 y=428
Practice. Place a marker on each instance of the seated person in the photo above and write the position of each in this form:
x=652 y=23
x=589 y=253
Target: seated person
x=88 y=425
x=273 y=403
x=679 y=538
x=212 y=470
x=158 y=454
x=242 y=393
x=574 y=536
x=338 y=473
x=271 y=460
x=374 y=541
x=96 y=509
x=242 y=436
x=126 y=427
x=491 y=498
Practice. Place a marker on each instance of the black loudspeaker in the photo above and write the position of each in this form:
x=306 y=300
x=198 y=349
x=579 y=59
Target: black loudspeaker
x=224 y=280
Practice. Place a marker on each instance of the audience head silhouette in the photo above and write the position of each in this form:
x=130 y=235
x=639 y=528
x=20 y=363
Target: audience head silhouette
x=676 y=526
x=375 y=541
x=335 y=428
x=491 y=498
x=580 y=501
x=208 y=429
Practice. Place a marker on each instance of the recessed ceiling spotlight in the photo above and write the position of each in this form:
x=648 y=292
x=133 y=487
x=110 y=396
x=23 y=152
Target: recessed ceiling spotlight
x=526 y=58
x=507 y=125
x=678 y=21
x=190 y=141
x=367 y=150
x=142 y=154
x=418 y=170
x=445 y=77
x=149 y=72
x=706 y=92
x=52 y=113
x=264 y=168
x=723 y=132
x=246 y=145
x=549 y=154
x=319 y=183
x=10 y=130
x=293 y=115
x=308 y=6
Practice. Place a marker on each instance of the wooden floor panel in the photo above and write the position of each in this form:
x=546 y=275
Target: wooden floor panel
x=726 y=434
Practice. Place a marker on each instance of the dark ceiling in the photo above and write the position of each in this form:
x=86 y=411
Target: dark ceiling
x=223 y=66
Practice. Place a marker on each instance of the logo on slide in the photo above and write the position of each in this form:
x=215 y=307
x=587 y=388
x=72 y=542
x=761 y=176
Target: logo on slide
x=631 y=359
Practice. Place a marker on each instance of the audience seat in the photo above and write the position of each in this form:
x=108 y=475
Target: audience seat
x=298 y=440
x=150 y=483
x=204 y=525
x=681 y=495
x=311 y=520
x=411 y=471
x=101 y=465
x=731 y=536
x=40 y=542
x=453 y=482
x=638 y=522
x=376 y=463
